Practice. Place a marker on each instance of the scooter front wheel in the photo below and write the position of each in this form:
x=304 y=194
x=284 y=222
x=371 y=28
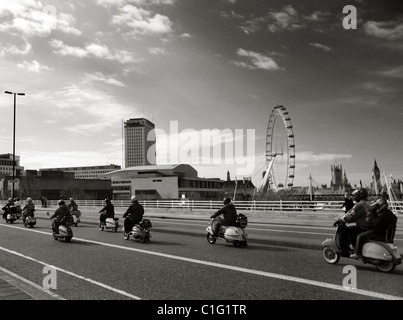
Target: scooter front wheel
x=126 y=236
x=387 y=266
x=330 y=256
x=210 y=238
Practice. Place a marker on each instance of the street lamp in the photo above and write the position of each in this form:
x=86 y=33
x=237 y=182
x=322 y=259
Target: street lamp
x=15 y=100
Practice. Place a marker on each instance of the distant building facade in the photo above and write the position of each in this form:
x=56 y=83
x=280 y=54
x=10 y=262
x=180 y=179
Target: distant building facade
x=6 y=165
x=58 y=185
x=88 y=172
x=240 y=189
x=154 y=182
x=136 y=143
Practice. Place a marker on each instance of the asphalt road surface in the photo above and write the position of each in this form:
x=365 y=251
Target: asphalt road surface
x=280 y=262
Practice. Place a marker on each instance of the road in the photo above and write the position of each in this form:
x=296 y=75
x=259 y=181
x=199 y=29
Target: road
x=281 y=262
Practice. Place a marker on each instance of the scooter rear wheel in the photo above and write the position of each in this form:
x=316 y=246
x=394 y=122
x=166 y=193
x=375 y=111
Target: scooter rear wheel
x=387 y=266
x=330 y=256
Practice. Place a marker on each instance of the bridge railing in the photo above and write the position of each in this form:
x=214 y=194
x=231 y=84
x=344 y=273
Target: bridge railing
x=261 y=206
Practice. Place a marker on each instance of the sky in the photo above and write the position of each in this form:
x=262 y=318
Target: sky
x=199 y=69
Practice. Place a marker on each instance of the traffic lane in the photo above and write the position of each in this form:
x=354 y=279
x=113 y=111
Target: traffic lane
x=276 y=234
x=303 y=236
x=151 y=277
x=283 y=260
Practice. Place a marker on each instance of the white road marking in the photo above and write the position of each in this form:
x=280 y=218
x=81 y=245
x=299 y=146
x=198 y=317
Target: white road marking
x=71 y=274
x=221 y=266
x=33 y=284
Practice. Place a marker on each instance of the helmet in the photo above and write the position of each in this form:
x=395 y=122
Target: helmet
x=29 y=199
x=133 y=198
x=61 y=202
x=9 y=200
x=107 y=200
x=71 y=199
x=227 y=200
x=360 y=194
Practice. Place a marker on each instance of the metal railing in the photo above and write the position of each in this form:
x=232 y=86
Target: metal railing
x=261 y=206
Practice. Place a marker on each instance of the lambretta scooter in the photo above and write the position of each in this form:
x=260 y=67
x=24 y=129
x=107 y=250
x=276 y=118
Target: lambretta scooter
x=65 y=231
x=11 y=217
x=30 y=221
x=140 y=231
x=109 y=224
x=380 y=251
x=231 y=234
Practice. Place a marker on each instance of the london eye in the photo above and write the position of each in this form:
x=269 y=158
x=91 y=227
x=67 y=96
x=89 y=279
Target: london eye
x=280 y=151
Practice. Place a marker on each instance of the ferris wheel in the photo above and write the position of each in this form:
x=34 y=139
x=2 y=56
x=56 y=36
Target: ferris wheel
x=280 y=151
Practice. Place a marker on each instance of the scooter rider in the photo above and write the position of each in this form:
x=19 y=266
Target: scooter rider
x=108 y=211
x=357 y=214
x=7 y=208
x=72 y=205
x=134 y=214
x=229 y=213
x=61 y=213
x=28 y=209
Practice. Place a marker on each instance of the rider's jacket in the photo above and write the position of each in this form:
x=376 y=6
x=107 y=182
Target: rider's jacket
x=136 y=212
x=229 y=213
x=28 y=209
x=358 y=214
x=60 y=213
x=109 y=210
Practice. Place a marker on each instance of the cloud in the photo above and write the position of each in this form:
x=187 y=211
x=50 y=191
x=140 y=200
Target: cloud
x=98 y=76
x=33 y=66
x=390 y=30
x=91 y=50
x=321 y=46
x=31 y=18
x=14 y=50
x=142 y=22
x=396 y=72
x=257 y=61
x=287 y=19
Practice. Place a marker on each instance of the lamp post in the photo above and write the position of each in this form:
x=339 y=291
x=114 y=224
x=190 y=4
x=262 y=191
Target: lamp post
x=15 y=102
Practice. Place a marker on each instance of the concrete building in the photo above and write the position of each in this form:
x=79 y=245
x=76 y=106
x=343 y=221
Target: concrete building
x=136 y=143
x=6 y=165
x=56 y=185
x=89 y=172
x=155 y=182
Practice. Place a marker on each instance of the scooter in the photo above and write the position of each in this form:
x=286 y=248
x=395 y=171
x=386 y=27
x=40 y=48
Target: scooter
x=11 y=217
x=109 y=224
x=140 y=231
x=231 y=234
x=29 y=221
x=75 y=218
x=65 y=231
x=380 y=252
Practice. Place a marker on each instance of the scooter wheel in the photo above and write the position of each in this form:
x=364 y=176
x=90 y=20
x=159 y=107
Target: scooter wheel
x=68 y=239
x=210 y=238
x=387 y=266
x=330 y=256
x=126 y=236
x=101 y=228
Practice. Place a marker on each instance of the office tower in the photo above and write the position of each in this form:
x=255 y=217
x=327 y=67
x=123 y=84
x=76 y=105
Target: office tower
x=136 y=144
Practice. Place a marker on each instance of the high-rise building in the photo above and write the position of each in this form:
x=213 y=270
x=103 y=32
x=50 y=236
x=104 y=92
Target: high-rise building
x=137 y=144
